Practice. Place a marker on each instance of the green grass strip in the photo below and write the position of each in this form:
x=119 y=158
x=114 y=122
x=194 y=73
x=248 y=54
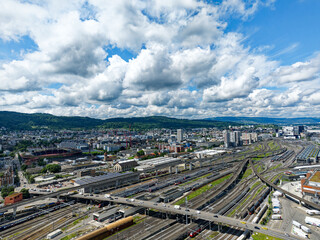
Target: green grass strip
x=203 y=189
x=261 y=236
x=196 y=179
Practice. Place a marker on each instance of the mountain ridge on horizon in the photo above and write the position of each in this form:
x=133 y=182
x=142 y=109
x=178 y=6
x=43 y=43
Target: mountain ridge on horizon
x=17 y=120
x=268 y=120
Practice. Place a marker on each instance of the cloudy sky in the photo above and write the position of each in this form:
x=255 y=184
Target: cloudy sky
x=181 y=58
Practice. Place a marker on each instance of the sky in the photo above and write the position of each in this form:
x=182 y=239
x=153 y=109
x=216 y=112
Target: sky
x=184 y=58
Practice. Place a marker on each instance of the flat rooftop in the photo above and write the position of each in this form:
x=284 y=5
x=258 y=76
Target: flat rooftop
x=315 y=177
x=105 y=177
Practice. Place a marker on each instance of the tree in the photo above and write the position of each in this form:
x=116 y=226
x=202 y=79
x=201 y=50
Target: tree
x=6 y=191
x=54 y=168
x=24 y=167
x=41 y=162
x=25 y=193
x=31 y=179
x=140 y=153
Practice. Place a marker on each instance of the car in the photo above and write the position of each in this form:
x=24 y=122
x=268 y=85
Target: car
x=187 y=210
x=164 y=205
x=287 y=234
x=155 y=204
x=216 y=216
x=198 y=212
x=265 y=228
x=243 y=222
x=257 y=227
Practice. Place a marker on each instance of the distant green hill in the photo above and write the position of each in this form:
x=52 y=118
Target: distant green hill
x=162 y=122
x=14 y=120
x=23 y=121
x=265 y=120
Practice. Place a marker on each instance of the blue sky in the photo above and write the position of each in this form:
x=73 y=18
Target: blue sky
x=188 y=58
x=288 y=25
x=13 y=49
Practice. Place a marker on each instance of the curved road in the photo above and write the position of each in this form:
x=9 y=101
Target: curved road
x=311 y=204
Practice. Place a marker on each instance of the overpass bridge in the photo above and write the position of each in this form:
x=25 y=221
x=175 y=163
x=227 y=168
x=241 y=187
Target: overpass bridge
x=195 y=214
x=270 y=184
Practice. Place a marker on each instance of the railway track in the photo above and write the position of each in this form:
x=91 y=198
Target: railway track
x=40 y=233
x=35 y=224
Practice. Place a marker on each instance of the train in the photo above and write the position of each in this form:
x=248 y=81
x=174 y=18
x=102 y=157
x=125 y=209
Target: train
x=233 y=202
x=105 y=216
x=244 y=235
x=54 y=234
x=54 y=207
x=158 y=187
x=276 y=181
x=293 y=199
x=195 y=232
x=260 y=213
x=109 y=229
x=148 y=175
x=101 y=205
x=284 y=157
x=254 y=206
x=154 y=186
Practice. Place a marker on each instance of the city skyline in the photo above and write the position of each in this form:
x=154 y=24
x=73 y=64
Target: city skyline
x=183 y=59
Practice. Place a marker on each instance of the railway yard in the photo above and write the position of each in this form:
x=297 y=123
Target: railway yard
x=241 y=185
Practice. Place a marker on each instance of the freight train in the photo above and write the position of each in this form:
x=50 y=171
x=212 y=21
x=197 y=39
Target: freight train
x=233 y=202
x=254 y=206
x=108 y=230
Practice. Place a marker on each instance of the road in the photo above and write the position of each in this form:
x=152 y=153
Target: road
x=269 y=183
x=204 y=216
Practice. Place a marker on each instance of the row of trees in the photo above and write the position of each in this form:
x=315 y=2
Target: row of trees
x=53 y=168
x=41 y=163
x=8 y=190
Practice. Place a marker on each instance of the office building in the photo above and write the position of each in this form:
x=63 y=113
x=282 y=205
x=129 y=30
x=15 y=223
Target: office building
x=226 y=137
x=179 y=135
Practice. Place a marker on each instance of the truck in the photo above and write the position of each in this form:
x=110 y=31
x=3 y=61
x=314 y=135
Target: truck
x=312 y=221
x=276 y=217
x=277 y=194
x=277 y=206
x=276 y=210
x=295 y=223
x=177 y=207
x=305 y=229
x=297 y=231
x=299 y=225
x=313 y=212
